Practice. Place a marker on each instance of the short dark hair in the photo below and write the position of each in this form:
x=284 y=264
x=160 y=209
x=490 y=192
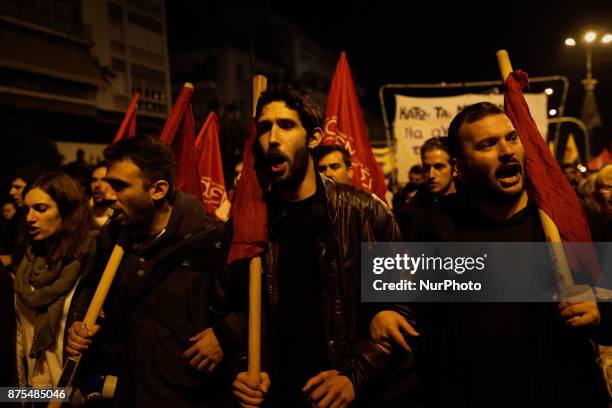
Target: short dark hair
x=434 y=143
x=416 y=169
x=101 y=163
x=324 y=150
x=469 y=114
x=28 y=173
x=153 y=157
x=307 y=109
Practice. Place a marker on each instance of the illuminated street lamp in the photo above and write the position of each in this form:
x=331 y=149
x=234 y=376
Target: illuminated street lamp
x=590 y=37
x=590 y=113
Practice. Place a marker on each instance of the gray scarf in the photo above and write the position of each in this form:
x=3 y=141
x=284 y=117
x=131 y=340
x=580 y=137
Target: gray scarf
x=51 y=286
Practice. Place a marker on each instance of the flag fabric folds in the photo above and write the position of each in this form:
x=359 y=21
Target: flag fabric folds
x=209 y=164
x=603 y=159
x=546 y=183
x=344 y=125
x=249 y=209
x=128 y=125
x=179 y=133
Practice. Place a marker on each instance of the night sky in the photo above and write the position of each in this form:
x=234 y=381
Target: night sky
x=427 y=41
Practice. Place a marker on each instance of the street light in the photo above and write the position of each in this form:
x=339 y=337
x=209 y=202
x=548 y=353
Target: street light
x=549 y=91
x=590 y=113
x=590 y=37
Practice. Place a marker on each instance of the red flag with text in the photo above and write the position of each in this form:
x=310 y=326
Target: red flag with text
x=128 y=125
x=344 y=125
x=249 y=209
x=210 y=165
x=179 y=133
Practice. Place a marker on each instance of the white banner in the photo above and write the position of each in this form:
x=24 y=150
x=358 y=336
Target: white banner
x=418 y=119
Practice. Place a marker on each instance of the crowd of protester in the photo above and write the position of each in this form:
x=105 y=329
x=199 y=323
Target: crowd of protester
x=173 y=331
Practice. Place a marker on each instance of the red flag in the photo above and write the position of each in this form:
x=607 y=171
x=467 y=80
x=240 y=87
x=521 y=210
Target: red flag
x=603 y=159
x=546 y=183
x=210 y=166
x=128 y=125
x=344 y=125
x=249 y=211
x=179 y=134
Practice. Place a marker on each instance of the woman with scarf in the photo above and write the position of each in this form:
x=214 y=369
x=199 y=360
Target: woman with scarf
x=61 y=232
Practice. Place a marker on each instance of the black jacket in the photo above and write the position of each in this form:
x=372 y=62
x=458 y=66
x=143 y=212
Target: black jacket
x=164 y=293
x=352 y=216
x=501 y=354
x=406 y=212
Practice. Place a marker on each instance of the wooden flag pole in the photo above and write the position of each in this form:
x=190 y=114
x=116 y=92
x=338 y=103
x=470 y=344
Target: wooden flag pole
x=503 y=61
x=72 y=363
x=103 y=287
x=254 y=357
x=563 y=275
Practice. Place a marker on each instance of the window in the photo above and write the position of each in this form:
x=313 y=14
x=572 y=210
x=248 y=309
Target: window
x=146 y=7
x=118 y=65
x=117 y=47
x=115 y=11
x=144 y=21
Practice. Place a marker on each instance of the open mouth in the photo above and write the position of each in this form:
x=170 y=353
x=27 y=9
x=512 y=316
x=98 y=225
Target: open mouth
x=33 y=230
x=509 y=174
x=277 y=162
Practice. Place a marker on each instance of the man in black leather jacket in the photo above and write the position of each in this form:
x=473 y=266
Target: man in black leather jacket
x=318 y=343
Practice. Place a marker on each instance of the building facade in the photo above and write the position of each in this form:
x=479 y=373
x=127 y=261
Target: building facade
x=69 y=68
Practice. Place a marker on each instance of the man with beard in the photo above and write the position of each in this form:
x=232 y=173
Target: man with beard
x=99 y=191
x=165 y=297
x=502 y=354
x=317 y=351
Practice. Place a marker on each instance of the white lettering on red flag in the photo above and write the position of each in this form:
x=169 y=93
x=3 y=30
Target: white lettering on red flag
x=212 y=192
